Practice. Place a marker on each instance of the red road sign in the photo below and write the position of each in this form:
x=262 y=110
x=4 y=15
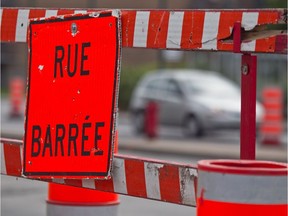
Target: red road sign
x=72 y=96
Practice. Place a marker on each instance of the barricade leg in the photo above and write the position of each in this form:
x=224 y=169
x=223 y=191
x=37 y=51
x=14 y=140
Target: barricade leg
x=72 y=201
x=248 y=107
x=150 y=121
x=241 y=187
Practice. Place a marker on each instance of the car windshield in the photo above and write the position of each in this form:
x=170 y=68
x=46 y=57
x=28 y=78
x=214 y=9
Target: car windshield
x=211 y=85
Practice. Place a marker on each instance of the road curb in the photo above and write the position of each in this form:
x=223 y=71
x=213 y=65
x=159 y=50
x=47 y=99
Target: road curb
x=201 y=149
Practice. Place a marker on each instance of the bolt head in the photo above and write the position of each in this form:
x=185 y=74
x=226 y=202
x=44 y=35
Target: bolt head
x=244 y=69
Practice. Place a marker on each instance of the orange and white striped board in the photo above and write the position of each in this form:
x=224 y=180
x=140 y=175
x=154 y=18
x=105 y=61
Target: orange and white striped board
x=144 y=178
x=210 y=30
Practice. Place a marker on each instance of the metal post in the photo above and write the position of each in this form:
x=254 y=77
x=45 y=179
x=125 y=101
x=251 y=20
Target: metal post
x=248 y=98
x=248 y=107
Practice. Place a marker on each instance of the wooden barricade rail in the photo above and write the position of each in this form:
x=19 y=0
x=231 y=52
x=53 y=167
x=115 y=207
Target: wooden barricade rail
x=210 y=30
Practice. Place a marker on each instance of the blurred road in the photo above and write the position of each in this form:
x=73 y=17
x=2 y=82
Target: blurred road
x=27 y=198
x=12 y=127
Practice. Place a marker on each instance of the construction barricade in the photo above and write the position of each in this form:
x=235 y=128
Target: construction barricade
x=238 y=31
x=241 y=187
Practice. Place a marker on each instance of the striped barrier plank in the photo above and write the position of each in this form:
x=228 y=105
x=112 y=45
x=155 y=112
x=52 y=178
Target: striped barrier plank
x=176 y=30
x=144 y=178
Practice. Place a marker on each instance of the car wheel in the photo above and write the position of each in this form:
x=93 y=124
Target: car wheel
x=138 y=122
x=192 y=127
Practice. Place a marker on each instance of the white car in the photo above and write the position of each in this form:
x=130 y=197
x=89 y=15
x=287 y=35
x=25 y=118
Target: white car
x=194 y=99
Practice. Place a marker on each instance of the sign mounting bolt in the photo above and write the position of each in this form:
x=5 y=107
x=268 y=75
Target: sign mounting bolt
x=73 y=28
x=244 y=69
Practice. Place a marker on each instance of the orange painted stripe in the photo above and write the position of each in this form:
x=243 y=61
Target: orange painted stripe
x=12 y=160
x=65 y=11
x=106 y=185
x=37 y=13
x=157 y=29
x=128 y=26
x=171 y=182
x=8 y=25
x=192 y=30
x=227 y=21
x=132 y=169
x=267 y=44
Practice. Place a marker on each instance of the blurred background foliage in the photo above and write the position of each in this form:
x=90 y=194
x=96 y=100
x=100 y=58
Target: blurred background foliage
x=276 y=3
x=129 y=77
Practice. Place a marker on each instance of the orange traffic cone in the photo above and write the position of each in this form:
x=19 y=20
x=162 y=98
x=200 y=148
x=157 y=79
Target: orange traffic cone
x=72 y=201
x=272 y=128
x=241 y=187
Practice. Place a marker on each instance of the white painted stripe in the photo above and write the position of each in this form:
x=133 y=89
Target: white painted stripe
x=58 y=180
x=141 y=29
x=119 y=176
x=88 y=183
x=116 y=13
x=210 y=30
x=152 y=180
x=175 y=30
x=3 y=163
x=80 y=11
x=21 y=25
x=244 y=189
x=248 y=46
x=187 y=177
x=249 y=21
x=50 y=13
